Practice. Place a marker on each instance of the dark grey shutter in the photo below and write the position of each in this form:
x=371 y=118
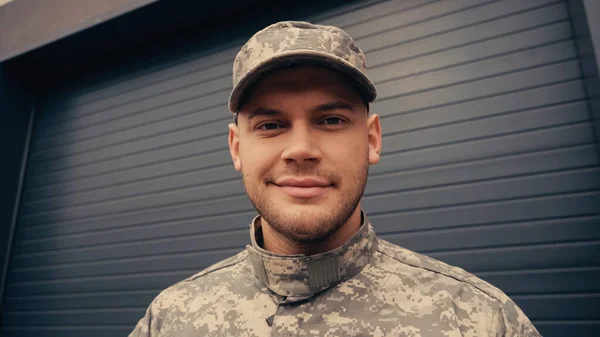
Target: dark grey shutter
x=489 y=164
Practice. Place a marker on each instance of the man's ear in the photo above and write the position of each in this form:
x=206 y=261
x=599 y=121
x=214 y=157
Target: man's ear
x=234 y=146
x=374 y=139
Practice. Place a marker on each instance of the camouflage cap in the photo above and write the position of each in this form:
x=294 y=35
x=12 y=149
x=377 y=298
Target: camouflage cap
x=294 y=42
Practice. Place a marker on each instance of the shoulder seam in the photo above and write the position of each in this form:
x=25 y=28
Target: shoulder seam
x=462 y=280
x=465 y=280
x=192 y=278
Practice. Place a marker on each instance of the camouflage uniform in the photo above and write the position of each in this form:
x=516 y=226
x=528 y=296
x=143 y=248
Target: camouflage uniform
x=367 y=287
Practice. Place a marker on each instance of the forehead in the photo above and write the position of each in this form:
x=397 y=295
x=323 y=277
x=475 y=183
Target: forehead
x=316 y=79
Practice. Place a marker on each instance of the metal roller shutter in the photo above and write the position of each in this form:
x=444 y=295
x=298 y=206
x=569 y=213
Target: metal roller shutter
x=489 y=164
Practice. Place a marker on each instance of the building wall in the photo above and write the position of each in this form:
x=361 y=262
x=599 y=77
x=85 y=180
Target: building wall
x=16 y=107
x=490 y=163
x=30 y=24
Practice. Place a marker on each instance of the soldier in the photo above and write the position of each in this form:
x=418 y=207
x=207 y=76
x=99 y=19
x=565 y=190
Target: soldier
x=303 y=139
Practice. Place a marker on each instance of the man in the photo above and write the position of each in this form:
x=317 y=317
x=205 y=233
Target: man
x=303 y=140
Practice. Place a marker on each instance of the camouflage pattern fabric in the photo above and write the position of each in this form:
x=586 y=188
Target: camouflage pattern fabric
x=367 y=287
x=291 y=42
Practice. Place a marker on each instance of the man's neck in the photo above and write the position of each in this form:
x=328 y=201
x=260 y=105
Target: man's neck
x=276 y=243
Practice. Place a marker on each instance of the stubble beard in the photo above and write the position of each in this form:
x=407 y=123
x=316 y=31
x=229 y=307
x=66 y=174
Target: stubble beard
x=310 y=226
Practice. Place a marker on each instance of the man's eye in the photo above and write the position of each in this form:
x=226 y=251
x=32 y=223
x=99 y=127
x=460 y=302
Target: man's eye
x=332 y=121
x=269 y=126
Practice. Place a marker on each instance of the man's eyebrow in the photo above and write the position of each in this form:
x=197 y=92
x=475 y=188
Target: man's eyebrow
x=260 y=111
x=337 y=105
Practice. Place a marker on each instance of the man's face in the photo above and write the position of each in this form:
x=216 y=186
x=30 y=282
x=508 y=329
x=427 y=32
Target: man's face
x=303 y=144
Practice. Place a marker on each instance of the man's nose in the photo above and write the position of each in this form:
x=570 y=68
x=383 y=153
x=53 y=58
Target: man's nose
x=302 y=145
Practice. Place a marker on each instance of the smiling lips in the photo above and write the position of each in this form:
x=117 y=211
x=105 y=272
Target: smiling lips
x=303 y=187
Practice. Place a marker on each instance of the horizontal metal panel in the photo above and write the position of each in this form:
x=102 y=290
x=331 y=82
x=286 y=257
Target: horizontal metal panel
x=72 y=237
x=103 y=300
x=196 y=119
x=184 y=252
x=496 y=190
x=73 y=317
x=164 y=224
x=206 y=81
x=197 y=111
x=486 y=169
x=208 y=207
x=345 y=16
x=562 y=71
x=425 y=12
x=489 y=67
x=381 y=89
x=169 y=197
x=562 y=114
x=142 y=106
x=567 y=280
x=581 y=203
x=555 y=206
x=526 y=79
x=210 y=143
x=112 y=118
x=158 y=70
x=213 y=77
x=494 y=66
x=88 y=152
x=168 y=143
x=117 y=259
x=474 y=193
x=87 y=330
x=197 y=179
x=518 y=233
x=163 y=70
x=437 y=7
x=568 y=328
x=513 y=283
x=171 y=154
x=476 y=51
x=138 y=177
x=454 y=21
x=155 y=170
x=157 y=280
x=211 y=212
x=578 y=254
x=406 y=44
x=178 y=102
x=470 y=110
x=486 y=107
x=489 y=127
x=546 y=256
x=560 y=306
x=570 y=135
x=471 y=52
x=57 y=110
x=504 y=44
x=144 y=92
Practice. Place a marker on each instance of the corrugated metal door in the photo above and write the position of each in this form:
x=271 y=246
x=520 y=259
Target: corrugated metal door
x=489 y=164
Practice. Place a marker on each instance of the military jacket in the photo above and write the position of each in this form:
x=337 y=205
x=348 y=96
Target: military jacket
x=367 y=287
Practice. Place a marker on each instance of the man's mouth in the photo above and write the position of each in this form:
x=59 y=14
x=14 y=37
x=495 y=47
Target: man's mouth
x=303 y=188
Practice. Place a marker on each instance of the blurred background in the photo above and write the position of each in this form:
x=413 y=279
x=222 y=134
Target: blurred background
x=117 y=180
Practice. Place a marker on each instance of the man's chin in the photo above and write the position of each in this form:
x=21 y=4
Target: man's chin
x=303 y=222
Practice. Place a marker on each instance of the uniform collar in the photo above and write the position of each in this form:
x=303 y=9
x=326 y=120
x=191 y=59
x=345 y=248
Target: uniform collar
x=301 y=275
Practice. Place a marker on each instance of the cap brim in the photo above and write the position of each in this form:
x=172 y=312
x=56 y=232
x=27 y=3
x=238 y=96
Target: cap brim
x=297 y=57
